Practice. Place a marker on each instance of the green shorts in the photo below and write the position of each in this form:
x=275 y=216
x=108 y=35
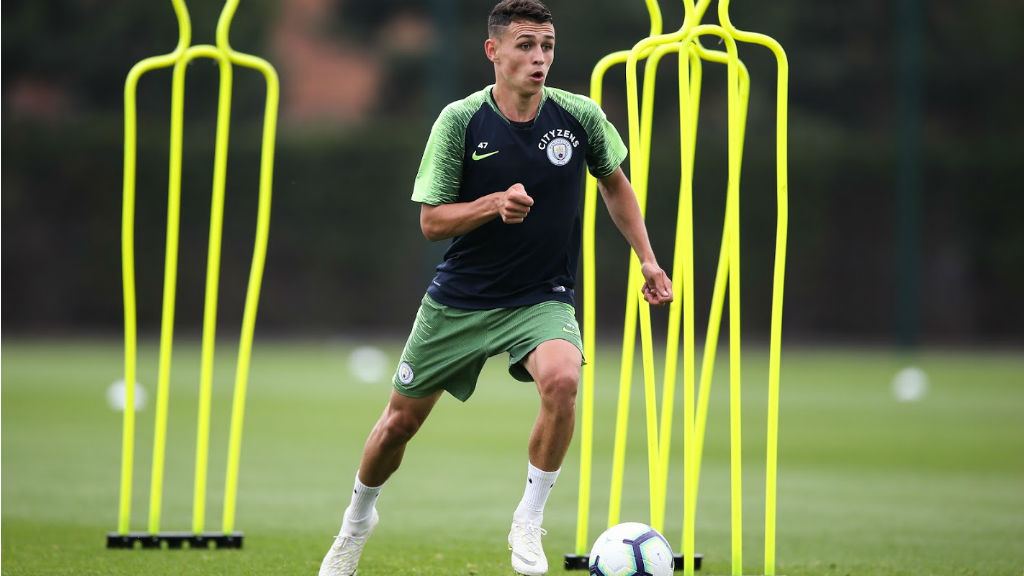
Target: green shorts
x=448 y=346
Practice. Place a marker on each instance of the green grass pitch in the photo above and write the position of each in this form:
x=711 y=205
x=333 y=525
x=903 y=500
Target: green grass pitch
x=867 y=484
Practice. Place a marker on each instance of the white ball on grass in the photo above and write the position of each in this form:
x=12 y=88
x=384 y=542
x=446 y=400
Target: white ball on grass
x=368 y=364
x=117 y=396
x=910 y=384
x=631 y=549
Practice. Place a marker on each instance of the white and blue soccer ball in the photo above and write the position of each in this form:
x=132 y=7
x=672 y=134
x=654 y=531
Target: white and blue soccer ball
x=631 y=549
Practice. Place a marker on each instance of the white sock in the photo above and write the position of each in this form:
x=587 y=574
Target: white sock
x=538 y=487
x=363 y=499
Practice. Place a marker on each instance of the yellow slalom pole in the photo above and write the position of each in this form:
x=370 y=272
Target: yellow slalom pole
x=689 y=103
x=734 y=151
x=128 y=253
x=258 y=259
x=735 y=343
x=718 y=298
x=651 y=412
x=170 y=285
x=637 y=179
x=686 y=104
x=212 y=278
x=671 y=348
x=622 y=404
x=639 y=164
x=692 y=17
x=735 y=376
x=179 y=59
x=657 y=438
x=722 y=273
x=659 y=442
x=589 y=321
x=170 y=279
x=775 y=344
x=717 y=305
x=659 y=428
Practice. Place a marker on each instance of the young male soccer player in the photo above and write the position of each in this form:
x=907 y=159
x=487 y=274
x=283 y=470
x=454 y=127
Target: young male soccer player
x=501 y=176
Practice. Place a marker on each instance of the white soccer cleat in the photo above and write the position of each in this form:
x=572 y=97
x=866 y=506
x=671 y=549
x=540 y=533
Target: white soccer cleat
x=528 y=556
x=343 y=557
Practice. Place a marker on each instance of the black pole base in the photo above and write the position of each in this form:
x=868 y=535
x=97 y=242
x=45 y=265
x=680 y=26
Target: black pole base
x=577 y=562
x=174 y=540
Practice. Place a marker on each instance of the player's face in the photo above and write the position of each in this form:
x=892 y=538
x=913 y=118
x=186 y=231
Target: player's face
x=522 y=55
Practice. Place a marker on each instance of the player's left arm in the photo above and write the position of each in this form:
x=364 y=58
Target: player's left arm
x=622 y=205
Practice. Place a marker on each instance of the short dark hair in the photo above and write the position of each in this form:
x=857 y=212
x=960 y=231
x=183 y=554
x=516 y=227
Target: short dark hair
x=506 y=11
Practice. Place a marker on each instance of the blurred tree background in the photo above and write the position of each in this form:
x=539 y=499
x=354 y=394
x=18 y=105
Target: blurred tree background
x=905 y=127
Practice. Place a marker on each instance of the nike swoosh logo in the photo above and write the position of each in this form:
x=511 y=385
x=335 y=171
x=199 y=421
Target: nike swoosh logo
x=524 y=560
x=476 y=156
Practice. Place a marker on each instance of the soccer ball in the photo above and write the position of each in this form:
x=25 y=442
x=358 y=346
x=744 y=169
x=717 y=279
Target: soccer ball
x=631 y=549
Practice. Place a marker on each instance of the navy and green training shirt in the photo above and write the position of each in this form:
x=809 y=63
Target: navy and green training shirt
x=474 y=151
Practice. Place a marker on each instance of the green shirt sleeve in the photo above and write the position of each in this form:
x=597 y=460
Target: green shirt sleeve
x=606 y=150
x=440 y=174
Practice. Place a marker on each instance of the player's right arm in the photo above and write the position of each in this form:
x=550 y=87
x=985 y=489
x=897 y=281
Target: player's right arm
x=441 y=221
x=439 y=180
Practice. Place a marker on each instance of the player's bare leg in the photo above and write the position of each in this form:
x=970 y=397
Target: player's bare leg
x=385 y=446
x=555 y=366
x=382 y=455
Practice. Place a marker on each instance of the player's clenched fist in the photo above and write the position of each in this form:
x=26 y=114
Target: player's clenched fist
x=514 y=204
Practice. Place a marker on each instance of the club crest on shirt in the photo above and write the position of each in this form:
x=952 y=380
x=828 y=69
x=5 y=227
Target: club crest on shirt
x=558 y=144
x=559 y=151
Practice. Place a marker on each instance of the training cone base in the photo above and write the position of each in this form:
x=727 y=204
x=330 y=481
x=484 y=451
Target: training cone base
x=175 y=540
x=577 y=562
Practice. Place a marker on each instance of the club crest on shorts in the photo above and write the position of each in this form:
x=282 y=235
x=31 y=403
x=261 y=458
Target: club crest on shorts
x=405 y=373
x=559 y=151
